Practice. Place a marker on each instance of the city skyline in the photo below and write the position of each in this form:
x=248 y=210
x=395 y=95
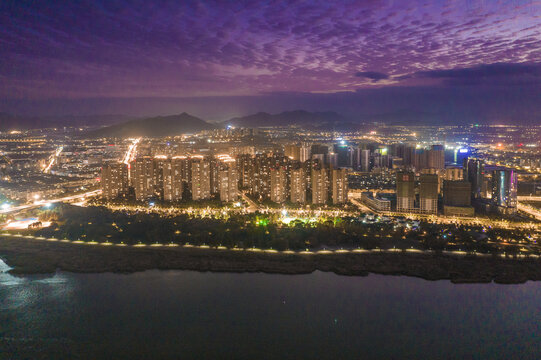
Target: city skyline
x=281 y=179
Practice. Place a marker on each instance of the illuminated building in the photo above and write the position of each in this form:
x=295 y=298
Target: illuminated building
x=405 y=191
x=457 y=198
x=172 y=179
x=260 y=183
x=297 y=153
x=474 y=172
x=278 y=181
x=114 y=180
x=428 y=193
x=298 y=186
x=365 y=160
x=245 y=170
x=376 y=203
x=454 y=173
x=339 y=181
x=436 y=157
x=504 y=191
x=143 y=177
x=228 y=180
x=200 y=182
x=320 y=185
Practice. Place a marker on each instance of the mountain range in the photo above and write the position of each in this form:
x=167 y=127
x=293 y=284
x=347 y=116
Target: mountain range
x=158 y=126
x=185 y=123
x=10 y=122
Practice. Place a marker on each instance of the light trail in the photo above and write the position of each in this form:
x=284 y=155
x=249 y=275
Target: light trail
x=529 y=198
x=130 y=155
x=50 y=201
x=529 y=210
x=52 y=159
x=132 y=150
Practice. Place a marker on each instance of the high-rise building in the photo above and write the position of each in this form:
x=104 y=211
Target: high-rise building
x=143 y=178
x=293 y=152
x=298 y=186
x=456 y=193
x=245 y=170
x=457 y=198
x=454 y=173
x=332 y=159
x=405 y=191
x=114 y=180
x=428 y=193
x=339 y=186
x=172 y=179
x=436 y=157
x=261 y=176
x=297 y=152
x=365 y=160
x=200 y=182
x=504 y=191
x=344 y=154
x=304 y=153
x=278 y=181
x=214 y=174
x=320 y=185
x=474 y=172
x=228 y=179
x=160 y=162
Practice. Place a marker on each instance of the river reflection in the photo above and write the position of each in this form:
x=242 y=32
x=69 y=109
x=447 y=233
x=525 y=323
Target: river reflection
x=191 y=315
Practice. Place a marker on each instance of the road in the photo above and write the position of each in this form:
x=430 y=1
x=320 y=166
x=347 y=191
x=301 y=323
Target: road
x=360 y=205
x=50 y=201
x=252 y=206
x=529 y=210
x=52 y=159
x=529 y=198
x=131 y=152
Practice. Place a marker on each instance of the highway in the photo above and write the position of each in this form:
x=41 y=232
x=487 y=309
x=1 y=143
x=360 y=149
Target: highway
x=50 y=201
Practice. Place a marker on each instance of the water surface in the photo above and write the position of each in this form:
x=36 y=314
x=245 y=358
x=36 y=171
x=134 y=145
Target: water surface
x=191 y=315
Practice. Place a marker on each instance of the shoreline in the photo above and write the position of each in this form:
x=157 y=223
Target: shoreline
x=31 y=256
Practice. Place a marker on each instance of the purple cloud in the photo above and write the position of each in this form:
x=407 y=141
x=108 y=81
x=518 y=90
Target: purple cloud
x=125 y=48
x=497 y=73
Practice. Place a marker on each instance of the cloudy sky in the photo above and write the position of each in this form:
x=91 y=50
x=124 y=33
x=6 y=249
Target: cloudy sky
x=221 y=58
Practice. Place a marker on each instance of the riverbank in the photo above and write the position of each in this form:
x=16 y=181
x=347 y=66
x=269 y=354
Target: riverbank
x=30 y=256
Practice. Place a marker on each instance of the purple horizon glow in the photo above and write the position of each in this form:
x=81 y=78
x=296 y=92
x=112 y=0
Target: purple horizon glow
x=54 y=49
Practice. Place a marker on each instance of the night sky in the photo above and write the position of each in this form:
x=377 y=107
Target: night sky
x=222 y=58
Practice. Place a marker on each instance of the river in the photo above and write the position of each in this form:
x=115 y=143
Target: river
x=192 y=315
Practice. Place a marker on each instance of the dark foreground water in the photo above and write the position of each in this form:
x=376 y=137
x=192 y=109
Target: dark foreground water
x=190 y=315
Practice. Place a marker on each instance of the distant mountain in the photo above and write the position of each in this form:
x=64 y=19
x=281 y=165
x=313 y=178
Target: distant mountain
x=298 y=117
x=155 y=127
x=10 y=122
